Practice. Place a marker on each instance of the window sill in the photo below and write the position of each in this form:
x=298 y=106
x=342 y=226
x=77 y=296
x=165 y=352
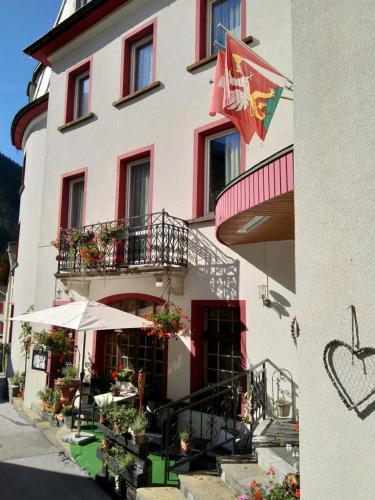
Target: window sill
x=77 y=121
x=207 y=60
x=136 y=94
x=204 y=218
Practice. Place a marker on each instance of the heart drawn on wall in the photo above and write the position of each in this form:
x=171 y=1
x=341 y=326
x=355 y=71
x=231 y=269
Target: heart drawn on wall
x=351 y=369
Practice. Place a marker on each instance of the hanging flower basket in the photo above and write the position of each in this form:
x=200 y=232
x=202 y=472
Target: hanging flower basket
x=91 y=254
x=167 y=321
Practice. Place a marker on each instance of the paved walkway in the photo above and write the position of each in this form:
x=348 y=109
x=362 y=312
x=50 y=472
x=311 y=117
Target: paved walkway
x=32 y=468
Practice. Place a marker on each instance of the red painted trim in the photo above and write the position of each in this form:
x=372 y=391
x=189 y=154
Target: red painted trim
x=71 y=28
x=64 y=196
x=146 y=29
x=201 y=27
x=130 y=296
x=71 y=76
x=200 y=135
x=57 y=303
x=271 y=180
x=122 y=164
x=1 y=307
x=197 y=341
x=24 y=118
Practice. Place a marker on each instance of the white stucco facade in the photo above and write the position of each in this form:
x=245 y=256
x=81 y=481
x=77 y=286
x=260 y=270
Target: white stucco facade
x=335 y=237
x=165 y=118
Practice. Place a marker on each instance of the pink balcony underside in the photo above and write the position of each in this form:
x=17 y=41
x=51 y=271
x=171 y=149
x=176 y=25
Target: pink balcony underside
x=267 y=191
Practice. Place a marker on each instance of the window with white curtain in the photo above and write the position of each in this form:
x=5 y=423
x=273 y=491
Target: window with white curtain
x=222 y=164
x=75 y=205
x=81 y=95
x=226 y=12
x=138 y=181
x=141 y=64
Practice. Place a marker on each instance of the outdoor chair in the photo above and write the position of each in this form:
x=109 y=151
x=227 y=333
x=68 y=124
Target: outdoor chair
x=90 y=408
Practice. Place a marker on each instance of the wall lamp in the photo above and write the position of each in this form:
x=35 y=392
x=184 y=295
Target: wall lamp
x=263 y=295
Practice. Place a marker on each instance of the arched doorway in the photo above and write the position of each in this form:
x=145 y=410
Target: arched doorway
x=133 y=348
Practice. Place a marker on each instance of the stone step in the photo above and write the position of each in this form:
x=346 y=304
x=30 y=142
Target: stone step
x=280 y=459
x=161 y=493
x=201 y=486
x=238 y=476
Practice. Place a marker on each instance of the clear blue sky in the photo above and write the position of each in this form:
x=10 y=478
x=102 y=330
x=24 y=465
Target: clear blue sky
x=21 y=23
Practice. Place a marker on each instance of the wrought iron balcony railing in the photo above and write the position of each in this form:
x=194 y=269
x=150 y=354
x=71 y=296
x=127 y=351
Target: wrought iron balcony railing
x=154 y=239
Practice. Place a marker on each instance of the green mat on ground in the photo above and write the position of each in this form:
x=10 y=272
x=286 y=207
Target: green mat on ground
x=85 y=456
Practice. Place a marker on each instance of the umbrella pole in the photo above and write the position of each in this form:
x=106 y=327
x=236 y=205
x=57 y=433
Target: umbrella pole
x=82 y=374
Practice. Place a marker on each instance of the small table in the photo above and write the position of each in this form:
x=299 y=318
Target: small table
x=110 y=398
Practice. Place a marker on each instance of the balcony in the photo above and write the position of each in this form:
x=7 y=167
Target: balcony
x=139 y=243
x=259 y=204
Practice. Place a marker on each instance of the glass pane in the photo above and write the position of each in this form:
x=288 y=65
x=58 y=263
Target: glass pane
x=224 y=164
x=228 y=13
x=75 y=203
x=82 y=96
x=138 y=191
x=143 y=65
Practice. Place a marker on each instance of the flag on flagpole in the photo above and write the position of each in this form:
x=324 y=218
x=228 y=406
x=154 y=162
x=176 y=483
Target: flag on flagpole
x=244 y=91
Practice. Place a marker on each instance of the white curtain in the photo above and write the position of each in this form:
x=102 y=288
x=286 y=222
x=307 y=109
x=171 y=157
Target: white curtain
x=139 y=189
x=75 y=203
x=232 y=156
x=228 y=13
x=143 y=66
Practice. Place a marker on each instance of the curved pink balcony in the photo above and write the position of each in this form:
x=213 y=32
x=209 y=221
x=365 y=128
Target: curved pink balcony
x=259 y=204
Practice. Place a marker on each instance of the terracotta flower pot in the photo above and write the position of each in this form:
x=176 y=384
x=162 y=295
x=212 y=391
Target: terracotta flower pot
x=185 y=446
x=67 y=393
x=138 y=438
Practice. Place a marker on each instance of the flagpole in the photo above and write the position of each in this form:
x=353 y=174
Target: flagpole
x=246 y=47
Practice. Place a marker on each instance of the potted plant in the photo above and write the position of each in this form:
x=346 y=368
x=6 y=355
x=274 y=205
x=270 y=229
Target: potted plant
x=68 y=383
x=186 y=441
x=55 y=341
x=16 y=384
x=50 y=399
x=167 y=321
x=105 y=408
x=138 y=428
x=124 y=377
x=67 y=412
x=90 y=253
x=283 y=407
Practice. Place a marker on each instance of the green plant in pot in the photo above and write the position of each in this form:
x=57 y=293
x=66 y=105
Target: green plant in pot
x=138 y=428
x=68 y=383
x=67 y=411
x=50 y=399
x=105 y=408
x=186 y=441
x=16 y=384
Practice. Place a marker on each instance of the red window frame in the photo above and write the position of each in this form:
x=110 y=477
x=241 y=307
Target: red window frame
x=200 y=136
x=123 y=162
x=147 y=29
x=72 y=74
x=64 y=196
x=197 y=340
x=201 y=27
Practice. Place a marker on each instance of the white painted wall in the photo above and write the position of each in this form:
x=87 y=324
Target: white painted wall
x=335 y=237
x=167 y=118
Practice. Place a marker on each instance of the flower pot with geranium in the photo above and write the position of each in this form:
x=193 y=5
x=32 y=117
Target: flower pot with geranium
x=167 y=321
x=124 y=378
x=91 y=254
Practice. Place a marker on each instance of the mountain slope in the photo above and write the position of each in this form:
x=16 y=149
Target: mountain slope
x=10 y=180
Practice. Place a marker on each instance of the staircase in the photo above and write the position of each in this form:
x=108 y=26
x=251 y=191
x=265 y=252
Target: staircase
x=233 y=441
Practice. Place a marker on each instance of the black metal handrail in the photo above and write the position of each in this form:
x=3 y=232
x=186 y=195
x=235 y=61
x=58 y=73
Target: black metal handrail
x=154 y=239
x=219 y=415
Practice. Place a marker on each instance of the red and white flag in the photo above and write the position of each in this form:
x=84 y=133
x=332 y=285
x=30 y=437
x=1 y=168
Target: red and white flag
x=246 y=89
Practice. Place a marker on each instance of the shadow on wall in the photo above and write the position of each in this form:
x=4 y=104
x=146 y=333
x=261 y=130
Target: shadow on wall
x=276 y=260
x=279 y=304
x=218 y=272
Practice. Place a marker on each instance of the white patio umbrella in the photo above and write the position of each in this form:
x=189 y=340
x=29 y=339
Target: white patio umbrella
x=84 y=316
